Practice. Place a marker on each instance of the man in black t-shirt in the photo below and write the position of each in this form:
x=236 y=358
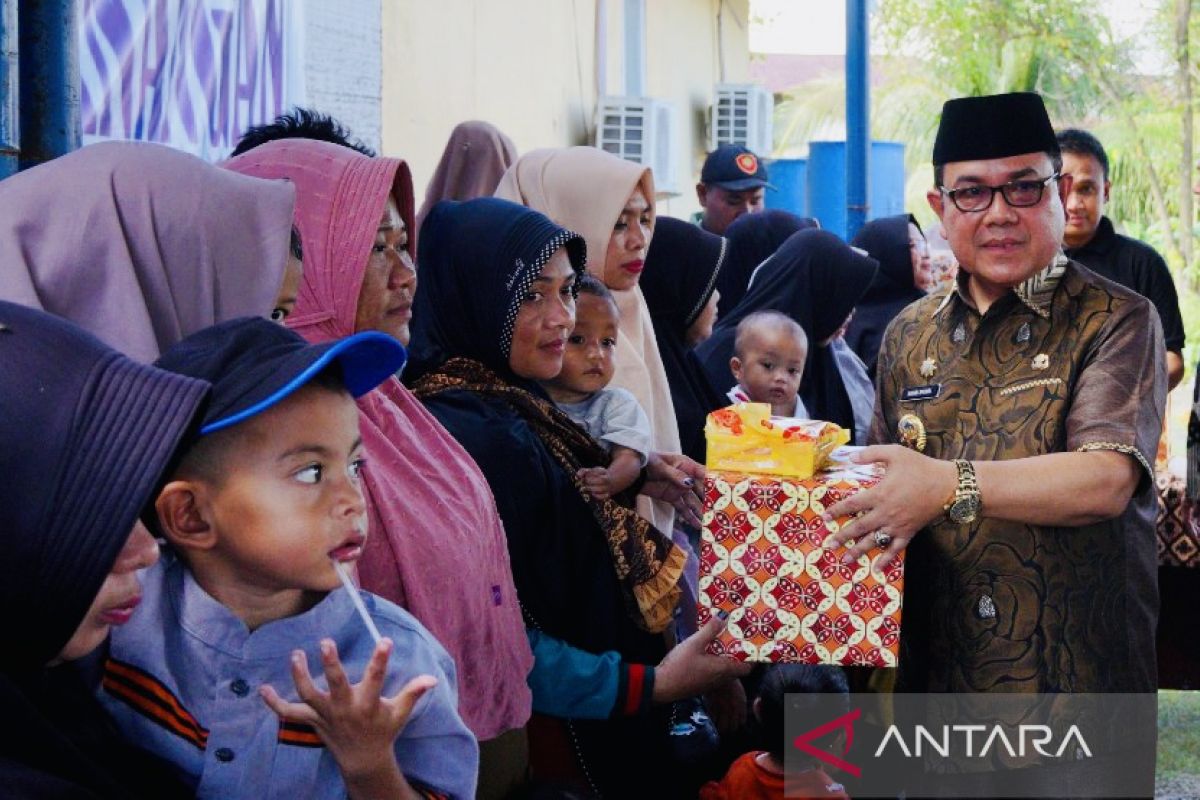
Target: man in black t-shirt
x=1089 y=238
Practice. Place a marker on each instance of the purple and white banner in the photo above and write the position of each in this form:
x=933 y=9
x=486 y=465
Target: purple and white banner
x=193 y=74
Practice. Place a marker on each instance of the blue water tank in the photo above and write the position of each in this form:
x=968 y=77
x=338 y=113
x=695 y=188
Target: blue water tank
x=788 y=176
x=826 y=183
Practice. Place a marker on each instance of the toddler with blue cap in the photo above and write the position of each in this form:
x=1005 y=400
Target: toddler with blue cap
x=263 y=515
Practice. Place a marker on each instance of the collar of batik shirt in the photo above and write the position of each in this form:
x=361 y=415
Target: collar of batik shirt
x=1036 y=291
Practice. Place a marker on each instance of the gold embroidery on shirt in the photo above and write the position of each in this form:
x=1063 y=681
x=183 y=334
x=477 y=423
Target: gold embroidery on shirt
x=1128 y=450
x=945 y=302
x=1037 y=291
x=1020 y=387
x=911 y=431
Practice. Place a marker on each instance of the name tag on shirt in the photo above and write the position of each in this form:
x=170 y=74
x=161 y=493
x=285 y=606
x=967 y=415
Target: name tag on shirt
x=914 y=393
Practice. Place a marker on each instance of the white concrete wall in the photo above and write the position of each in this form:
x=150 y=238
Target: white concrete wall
x=343 y=77
x=683 y=62
x=526 y=66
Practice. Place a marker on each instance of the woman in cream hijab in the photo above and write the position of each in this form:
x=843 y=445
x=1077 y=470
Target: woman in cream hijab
x=610 y=202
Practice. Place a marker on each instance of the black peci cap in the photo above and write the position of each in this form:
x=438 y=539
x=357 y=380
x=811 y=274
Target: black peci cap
x=994 y=126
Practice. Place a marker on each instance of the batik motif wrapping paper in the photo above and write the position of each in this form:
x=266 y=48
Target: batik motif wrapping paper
x=790 y=600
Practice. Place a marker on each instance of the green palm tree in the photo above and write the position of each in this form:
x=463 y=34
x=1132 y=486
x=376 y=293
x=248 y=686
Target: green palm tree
x=1065 y=50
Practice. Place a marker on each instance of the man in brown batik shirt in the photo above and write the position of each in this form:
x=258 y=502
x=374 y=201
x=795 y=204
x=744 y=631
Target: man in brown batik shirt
x=1031 y=400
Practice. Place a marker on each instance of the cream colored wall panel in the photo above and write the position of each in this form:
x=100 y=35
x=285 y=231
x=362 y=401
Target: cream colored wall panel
x=530 y=67
x=527 y=66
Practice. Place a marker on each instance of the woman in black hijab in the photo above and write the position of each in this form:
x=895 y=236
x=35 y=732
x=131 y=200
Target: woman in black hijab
x=679 y=283
x=597 y=584
x=752 y=239
x=85 y=437
x=816 y=279
x=899 y=246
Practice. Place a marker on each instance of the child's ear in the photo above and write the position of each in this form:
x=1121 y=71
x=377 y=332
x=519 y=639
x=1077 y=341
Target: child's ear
x=183 y=515
x=735 y=366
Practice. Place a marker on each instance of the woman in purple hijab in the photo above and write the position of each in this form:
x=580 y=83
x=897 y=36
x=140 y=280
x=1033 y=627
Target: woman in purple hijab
x=143 y=245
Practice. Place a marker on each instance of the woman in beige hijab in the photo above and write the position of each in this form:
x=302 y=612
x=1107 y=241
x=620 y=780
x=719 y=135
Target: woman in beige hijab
x=610 y=202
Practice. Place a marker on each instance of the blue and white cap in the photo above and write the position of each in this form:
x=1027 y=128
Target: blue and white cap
x=253 y=364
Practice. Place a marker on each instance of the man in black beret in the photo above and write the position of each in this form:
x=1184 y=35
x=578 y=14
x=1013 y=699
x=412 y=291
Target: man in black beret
x=732 y=183
x=1018 y=415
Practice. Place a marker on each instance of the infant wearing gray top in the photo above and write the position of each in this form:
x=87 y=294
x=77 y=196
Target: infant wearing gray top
x=612 y=416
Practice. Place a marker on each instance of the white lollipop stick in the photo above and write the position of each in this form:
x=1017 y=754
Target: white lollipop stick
x=340 y=568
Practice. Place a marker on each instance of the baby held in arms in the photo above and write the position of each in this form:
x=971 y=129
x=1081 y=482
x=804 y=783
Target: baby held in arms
x=768 y=362
x=612 y=416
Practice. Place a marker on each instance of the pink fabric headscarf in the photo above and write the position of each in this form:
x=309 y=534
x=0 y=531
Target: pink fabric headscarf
x=141 y=244
x=436 y=544
x=475 y=157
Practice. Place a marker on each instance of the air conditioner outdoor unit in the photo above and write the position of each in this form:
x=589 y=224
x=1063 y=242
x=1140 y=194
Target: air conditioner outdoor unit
x=743 y=113
x=640 y=129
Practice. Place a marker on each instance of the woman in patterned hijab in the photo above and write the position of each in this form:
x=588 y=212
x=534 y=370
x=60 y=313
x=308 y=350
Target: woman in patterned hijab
x=597 y=583
x=610 y=202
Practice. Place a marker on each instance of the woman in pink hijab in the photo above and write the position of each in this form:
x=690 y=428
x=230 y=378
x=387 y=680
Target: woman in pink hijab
x=142 y=245
x=475 y=157
x=436 y=545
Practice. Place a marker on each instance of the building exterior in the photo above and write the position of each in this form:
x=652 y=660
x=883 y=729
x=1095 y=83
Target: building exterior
x=535 y=68
x=343 y=63
x=400 y=74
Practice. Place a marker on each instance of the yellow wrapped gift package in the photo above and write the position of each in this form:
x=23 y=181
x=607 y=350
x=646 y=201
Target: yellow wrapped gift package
x=744 y=437
x=788 y=598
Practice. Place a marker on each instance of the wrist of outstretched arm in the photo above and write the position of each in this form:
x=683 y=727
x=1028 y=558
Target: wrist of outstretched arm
x=963 y=501
x=377 y=779
x=635 y=689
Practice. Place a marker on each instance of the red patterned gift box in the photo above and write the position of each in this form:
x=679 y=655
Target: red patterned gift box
x=790 y=600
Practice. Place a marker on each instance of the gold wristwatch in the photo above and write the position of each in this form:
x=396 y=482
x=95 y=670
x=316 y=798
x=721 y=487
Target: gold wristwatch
x=964 y=505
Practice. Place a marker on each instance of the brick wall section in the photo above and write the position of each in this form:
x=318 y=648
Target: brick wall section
x=342 y=63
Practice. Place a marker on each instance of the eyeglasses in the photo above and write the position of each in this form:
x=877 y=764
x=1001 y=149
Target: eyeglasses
x=1018 y=194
